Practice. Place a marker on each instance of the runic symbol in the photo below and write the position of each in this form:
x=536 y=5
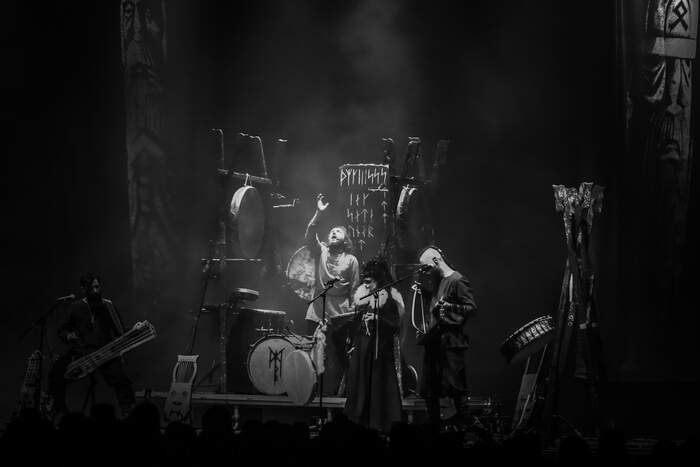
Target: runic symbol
x=680 y=10
x=276 y=364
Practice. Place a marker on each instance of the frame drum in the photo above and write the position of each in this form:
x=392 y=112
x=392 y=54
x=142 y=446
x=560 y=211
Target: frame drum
x=301 y=271
x=300 y=377
x=527 y=340
x=413 y=229
x=247 y=220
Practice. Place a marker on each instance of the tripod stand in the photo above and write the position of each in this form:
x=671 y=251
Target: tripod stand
x=576 y=320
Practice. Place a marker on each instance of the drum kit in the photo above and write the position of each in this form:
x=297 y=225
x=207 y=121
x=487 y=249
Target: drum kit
x=278 y=361
x=265 y=356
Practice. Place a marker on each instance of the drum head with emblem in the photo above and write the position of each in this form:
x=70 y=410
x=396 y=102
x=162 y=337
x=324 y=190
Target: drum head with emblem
x=300 y=377
x=301 y=271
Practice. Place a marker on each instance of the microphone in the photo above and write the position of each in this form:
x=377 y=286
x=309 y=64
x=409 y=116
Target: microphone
x=424 y=268
x=331 y=281
x=66 y=298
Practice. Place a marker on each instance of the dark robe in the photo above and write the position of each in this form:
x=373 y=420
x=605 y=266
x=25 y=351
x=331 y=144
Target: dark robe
x=446 y=343
x=373 y=385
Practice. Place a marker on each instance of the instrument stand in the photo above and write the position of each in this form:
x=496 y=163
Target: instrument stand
x=41 y=322
x=375 y=296
x=527 y=396
x=576 y=318
x=321 y=295
x=206 y=276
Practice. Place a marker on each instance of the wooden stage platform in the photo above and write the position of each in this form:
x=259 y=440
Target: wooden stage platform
x=265 y=407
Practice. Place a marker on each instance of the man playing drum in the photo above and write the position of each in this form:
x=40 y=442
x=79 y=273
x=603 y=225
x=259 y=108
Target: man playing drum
x=446 y=340
x=336 y=264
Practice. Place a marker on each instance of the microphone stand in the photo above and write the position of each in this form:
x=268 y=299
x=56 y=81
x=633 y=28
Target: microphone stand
x=322 y=295
x=390 y=284
x=42 y=332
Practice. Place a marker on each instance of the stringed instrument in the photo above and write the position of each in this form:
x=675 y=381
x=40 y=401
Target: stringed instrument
x=141 y=333
x=177 y=405
x=28 y=391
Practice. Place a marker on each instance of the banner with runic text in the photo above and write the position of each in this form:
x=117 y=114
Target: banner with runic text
x=364 y=196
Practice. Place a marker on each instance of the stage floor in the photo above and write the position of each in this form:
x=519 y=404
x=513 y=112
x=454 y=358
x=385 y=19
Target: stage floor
x=283 y=409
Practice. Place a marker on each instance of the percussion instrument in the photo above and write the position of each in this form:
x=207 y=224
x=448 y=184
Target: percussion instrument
x=301 y=271
x=243 y=295
x=527 y=340
x=266 y=321
x=247 y=221
x=300 y=377
x=247 y=327
x=412 y=222
x=266 y=364
x=343 y=319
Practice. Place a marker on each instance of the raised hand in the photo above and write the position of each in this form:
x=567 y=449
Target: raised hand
x=320 y=205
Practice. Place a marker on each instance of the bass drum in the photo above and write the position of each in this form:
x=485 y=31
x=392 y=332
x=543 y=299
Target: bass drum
x=301 y=271
x=300 y=377
x=413 y=230
x=247 y=221
x=266 y=364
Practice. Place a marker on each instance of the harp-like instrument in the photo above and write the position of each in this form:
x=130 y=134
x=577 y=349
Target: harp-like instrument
x=141 y=333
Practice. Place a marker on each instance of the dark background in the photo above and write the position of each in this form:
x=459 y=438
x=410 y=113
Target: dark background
x=528 y=92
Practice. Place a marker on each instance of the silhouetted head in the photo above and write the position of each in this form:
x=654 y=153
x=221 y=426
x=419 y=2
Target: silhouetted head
x=91 y=284
x=376 y=273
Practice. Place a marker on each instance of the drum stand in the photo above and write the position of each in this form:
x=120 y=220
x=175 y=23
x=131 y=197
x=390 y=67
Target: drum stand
x=576 y=317
x=527 y=395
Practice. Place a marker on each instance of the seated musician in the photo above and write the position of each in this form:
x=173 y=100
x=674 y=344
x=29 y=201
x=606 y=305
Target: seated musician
x=373 y=389
x=336 y=263
x=91 y=323
x=446 y=340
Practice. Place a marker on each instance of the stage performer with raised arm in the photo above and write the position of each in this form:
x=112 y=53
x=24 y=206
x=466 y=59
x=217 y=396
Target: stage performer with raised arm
x=336 y=265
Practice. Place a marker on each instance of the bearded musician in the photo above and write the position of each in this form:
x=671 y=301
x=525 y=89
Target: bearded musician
x=445 y=340
x=336 y=265
x=373 y=378
x=91 y=323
